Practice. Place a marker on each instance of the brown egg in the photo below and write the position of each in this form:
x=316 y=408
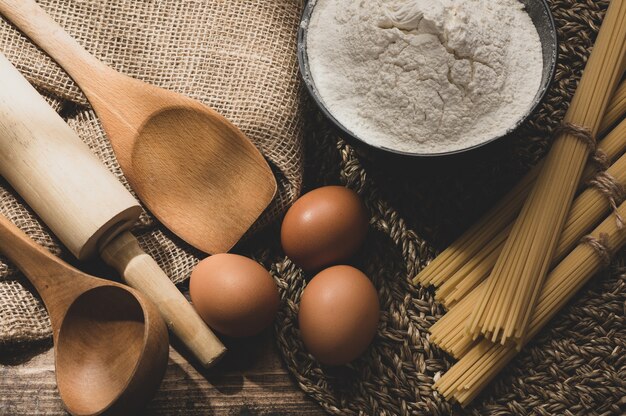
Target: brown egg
x=234 y=295
x=325 y=226
x=338 y=315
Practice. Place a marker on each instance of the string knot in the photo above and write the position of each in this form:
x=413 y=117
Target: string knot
x=600 y=159
x=608 y=186
x=600 y=246
x=582 y=133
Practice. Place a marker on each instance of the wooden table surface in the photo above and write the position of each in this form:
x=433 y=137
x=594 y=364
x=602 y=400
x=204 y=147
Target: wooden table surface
x=252 y=380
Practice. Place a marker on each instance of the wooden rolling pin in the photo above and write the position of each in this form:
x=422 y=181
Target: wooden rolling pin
x=84 y=204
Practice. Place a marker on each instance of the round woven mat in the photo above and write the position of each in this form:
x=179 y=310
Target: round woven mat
x=577 y=366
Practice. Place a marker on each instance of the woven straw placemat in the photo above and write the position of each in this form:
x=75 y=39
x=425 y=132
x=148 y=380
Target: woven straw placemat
x=577 y=366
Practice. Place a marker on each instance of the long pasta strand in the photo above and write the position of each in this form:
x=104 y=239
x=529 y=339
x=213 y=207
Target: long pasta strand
x=500 y=216
x=505 y=306
x=468 y=276
x=482 y=362
x=615 y=111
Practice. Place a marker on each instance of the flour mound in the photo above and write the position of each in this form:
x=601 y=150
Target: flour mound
x=424 y=75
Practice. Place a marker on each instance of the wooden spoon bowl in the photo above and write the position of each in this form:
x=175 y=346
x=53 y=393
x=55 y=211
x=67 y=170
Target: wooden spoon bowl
x=204 y=179
x=105 y=352
x=111 y=344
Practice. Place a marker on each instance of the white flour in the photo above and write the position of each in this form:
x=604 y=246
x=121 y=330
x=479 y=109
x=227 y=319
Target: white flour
x=424 y=75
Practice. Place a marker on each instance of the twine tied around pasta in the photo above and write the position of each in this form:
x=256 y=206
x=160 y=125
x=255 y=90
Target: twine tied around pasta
x=582 y=133
x=599 y=157
x=603 y=181
x=612 y=190
x=600 y=246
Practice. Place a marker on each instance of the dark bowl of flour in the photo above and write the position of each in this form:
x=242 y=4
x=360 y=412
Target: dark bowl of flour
x=427 y=78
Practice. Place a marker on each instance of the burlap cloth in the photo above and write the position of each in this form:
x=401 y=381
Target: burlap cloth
x=236 y=56
x=576 y=366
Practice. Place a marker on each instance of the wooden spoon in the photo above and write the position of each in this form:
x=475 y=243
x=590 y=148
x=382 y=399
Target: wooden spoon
x=110 y=343
x=197 y=173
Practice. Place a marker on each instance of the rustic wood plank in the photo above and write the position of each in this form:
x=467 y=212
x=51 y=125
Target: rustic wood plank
x=252 y=380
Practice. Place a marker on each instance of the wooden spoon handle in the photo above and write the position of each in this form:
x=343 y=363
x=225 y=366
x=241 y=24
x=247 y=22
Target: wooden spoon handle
x=31 y=19
x=140 y=271
x=41 y=267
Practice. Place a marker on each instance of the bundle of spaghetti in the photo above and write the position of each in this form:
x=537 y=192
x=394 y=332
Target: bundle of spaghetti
x=468 y=276
x=464 y=381
x=472 y=242
x=605 y=192
x=513 y=287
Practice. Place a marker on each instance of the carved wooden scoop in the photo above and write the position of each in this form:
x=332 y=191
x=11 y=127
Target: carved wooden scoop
x=197 y=173
x=110 y=343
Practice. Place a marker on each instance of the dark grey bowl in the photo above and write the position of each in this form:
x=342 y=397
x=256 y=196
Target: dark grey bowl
x=540 y=14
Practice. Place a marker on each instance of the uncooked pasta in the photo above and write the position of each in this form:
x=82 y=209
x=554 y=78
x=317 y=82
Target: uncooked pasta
x=587 y=210
x=615 y=111
x=484 y=360
x=468 y=276
x=513 y=287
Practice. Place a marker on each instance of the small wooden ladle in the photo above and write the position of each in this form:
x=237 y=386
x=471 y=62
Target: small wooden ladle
x=197 y=173
x=110 y=343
